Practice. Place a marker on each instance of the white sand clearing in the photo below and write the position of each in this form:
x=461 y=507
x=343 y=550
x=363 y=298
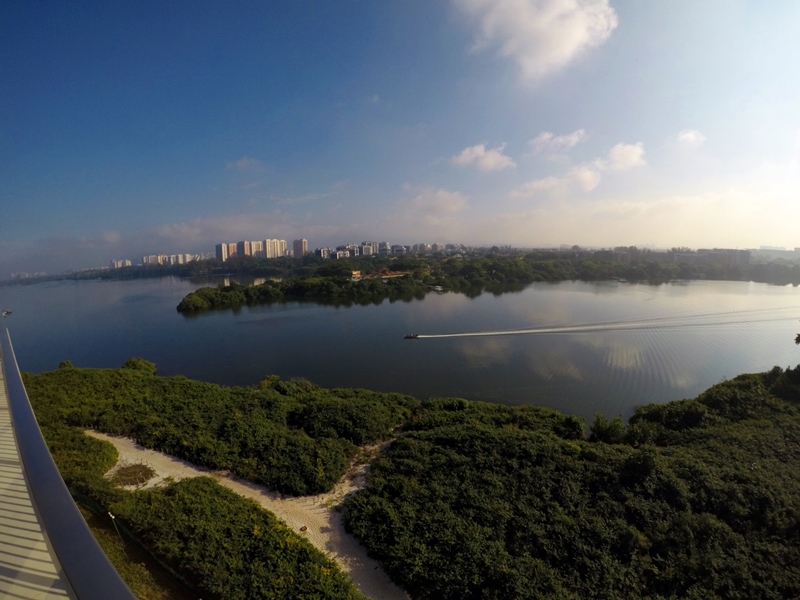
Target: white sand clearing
x=324 y=527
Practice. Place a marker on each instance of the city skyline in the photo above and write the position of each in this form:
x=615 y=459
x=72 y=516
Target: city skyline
x=128 y=128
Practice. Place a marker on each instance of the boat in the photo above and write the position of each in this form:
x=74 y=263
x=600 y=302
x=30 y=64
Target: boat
x=6 y=313
x=411 y=336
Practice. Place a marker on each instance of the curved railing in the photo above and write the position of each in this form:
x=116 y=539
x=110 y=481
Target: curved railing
x=83 y=564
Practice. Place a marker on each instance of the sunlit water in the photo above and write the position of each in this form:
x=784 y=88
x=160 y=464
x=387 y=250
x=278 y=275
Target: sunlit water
x=578 y=347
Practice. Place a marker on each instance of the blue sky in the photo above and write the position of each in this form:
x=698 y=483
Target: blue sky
x=142 y=127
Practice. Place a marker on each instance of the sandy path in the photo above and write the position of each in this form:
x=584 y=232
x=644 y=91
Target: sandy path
x=324 y=525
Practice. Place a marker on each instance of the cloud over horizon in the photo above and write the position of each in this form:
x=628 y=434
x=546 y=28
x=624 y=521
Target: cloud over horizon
x=548 y=143
x=586 y=176
x=541 y=36
x=691 y=138
x=482 y=159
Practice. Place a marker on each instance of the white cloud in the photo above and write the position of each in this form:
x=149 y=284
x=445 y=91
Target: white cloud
x=546 y=185
x=586 y=177
x=439 y=202
x=245 y=164
x=583 y=176
x=541 y=36
x=479 y=157
x=547 y=143
x=626 y=156
x=691 y=138
x=429 y=211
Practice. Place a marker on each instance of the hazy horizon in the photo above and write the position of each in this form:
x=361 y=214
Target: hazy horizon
x=140 y=128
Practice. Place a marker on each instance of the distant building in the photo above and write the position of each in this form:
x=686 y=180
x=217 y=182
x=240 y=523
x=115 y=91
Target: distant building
x=257 y=249
x=221 y=252
x=384 y=248
x=437 y=247
x=155 y=259
x=613 y=256
x=275 y=248
x=373 y=248
x=118 y=264
x=300 y=248
x=691 y=258
x=717 y=256
x=398 y=249
x=243 y=249
x=232 y=249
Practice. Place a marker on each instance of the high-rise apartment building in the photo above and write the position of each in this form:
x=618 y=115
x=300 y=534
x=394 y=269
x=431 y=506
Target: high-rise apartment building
x=222 y=252
x=232 y=247
x=275 y=248
x=257 y=249
x=155 y=259
x=243 y=249
x=300 y=248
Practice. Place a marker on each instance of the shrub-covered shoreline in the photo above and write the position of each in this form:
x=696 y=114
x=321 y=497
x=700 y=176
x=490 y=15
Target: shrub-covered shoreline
x=332 y=282
x=696 y=498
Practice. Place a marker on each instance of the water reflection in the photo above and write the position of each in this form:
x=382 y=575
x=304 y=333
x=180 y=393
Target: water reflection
x=554 y=364
x=674 y=340
x=485 y=352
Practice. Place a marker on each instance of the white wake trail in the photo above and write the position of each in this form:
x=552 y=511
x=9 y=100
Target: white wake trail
x=675 y=322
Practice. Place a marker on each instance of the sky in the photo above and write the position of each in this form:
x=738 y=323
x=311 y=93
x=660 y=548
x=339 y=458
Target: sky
x=131 y=128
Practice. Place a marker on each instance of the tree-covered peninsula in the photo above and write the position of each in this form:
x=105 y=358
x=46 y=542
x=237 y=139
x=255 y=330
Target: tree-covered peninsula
x=695 y=498
x=691 y=499
x=290 y=436
x=408 y=278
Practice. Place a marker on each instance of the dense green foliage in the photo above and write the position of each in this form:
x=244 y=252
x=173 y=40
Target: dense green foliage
x=692 y=499
x=330 y=282
x=696 y=498
x=225 y=545
x=336 y=290
x=237 y=549
x=291 y=436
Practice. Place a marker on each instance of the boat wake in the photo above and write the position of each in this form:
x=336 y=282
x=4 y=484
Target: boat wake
x=713 y=319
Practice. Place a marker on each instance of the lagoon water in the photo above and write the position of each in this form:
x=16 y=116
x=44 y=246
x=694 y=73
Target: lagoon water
x=589 y=347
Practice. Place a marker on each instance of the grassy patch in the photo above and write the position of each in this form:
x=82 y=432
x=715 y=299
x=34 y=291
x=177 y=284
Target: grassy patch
x=138 y=474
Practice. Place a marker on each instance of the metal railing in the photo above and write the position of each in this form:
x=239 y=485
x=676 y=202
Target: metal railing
x=83 y=565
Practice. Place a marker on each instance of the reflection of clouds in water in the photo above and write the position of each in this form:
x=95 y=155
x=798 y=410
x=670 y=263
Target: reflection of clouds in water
x=437 y=307
x=483 y=352
x=682 y=381
x=539 y=314
x=555 y=363
x=649 y=354
x=618 y=353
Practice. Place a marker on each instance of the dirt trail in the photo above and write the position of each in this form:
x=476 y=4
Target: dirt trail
x=325 y=529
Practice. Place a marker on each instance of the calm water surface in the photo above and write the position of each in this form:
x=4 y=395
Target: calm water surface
x=606 y=347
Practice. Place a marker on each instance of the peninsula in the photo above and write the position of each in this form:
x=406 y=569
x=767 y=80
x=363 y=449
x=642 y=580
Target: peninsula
x=372 y=279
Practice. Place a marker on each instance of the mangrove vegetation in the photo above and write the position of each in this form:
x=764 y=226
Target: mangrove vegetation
x=696 y=498
x=411 y=277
